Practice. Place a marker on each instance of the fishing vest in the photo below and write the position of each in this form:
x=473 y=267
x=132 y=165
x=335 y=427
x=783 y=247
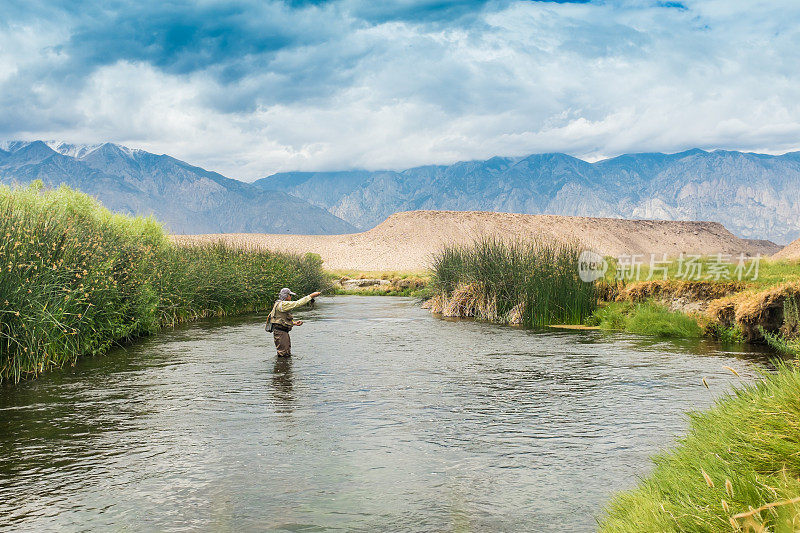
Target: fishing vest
x=282 y=319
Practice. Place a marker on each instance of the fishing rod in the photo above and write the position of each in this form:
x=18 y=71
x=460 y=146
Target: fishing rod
x=313 y=301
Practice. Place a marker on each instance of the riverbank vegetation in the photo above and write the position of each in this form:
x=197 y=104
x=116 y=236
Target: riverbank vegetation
x=739 y=466
x=738 y=469
x=645 y=318
x=714 y=270
x=75 y=279
x=729 y=299
x=787 y=339
x=410 y=284
x=532 y=283
x=731 y=310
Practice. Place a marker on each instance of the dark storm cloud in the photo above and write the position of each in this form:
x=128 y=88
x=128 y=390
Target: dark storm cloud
x=182 y=38
x=674 y=5
x=262 y=52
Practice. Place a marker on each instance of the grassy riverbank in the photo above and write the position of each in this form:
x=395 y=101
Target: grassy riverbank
x=528 y=283
x=763 y=274
x=645 y=318
x=378 y=283
x=75 y=279
x=739 y=466
x=737 y=469
x=727 y=311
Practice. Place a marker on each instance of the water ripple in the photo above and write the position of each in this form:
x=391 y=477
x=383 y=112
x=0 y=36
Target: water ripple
x=385 y=419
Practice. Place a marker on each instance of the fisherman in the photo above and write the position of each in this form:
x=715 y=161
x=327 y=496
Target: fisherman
x=280 y=320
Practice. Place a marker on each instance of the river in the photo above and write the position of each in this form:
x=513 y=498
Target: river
x=386 y=419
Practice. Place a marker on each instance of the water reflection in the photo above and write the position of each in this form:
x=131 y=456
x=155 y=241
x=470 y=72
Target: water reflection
x=283 y=385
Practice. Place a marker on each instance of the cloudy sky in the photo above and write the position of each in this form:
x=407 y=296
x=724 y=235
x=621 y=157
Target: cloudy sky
x=249 y=88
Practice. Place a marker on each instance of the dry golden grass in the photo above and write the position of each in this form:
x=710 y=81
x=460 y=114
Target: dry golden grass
x=468 y=301
x=668 y=289
x=379 y=274
x=465 y=301
x=435 y=304
x=752 y=310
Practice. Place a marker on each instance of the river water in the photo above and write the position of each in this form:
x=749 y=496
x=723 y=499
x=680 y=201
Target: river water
x=386 y=419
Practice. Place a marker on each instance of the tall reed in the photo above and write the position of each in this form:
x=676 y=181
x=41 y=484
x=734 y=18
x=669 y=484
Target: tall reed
x=76 y=279
x=535 y=281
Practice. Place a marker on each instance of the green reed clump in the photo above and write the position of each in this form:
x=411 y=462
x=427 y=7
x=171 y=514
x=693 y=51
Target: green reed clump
x=537 y=278
x=215 y=280
x=645 y=318
x=738 y=469
x=76 y=279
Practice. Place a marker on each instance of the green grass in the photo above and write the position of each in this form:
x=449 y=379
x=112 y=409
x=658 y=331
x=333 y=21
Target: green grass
x=75 y=279
x=422 y=294
x=770 y=273
x=781 y=344
x=646 y=318
x=776 y=272
x=740 y=455
x=787 y=339
x=410 y=284
x=540 y=275
x=375 y=274
x=724 y=334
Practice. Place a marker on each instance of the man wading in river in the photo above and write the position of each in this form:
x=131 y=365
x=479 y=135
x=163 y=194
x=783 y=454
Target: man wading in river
x=280 y=320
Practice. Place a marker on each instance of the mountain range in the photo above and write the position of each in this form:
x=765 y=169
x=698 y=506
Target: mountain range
x=186 y=198
x=756 y=196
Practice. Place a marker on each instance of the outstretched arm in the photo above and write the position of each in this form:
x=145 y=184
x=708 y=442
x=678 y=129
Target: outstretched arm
x=294 y=304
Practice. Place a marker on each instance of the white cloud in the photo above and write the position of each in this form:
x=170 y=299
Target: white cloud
x=589 y=80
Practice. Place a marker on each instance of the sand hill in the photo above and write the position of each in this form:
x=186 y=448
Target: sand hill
x=791 y=252
x=407 y=241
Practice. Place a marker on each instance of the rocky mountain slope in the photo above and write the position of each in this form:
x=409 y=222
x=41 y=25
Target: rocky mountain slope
x=754 y=195
x=790 y=252
x=186 y=198
x=409 y=240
